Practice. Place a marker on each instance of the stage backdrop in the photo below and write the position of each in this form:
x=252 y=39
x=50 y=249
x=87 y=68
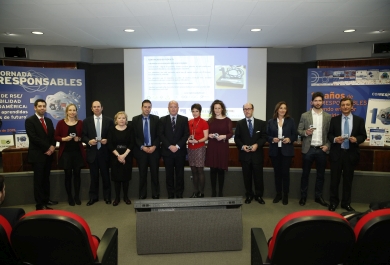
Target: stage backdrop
x=369 y=88
x=21 y=86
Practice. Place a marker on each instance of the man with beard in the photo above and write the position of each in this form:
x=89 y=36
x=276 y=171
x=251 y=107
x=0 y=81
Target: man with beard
x=313 y=128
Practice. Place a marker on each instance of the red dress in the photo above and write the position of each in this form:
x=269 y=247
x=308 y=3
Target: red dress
x=217 y=154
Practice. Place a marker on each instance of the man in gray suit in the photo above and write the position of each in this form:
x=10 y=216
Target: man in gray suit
x=313 y=128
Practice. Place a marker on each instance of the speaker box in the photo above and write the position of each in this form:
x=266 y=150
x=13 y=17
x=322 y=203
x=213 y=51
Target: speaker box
x=16 y=52
x=380 y=48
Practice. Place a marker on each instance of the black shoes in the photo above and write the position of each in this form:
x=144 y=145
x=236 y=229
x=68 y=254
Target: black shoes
x=302 y=201
x=321 y=201
x=142 y=197
x=194 y=195
x=171 y=196
x=50 y=202
x=200 y=195
x=277 y=198
x=348 y=207
x=91 y=202
x=156 y=197
x=43 y=207
x=127 y=200
x=77 y=200
x=248 y=199
x=285 y=198
x=116 y=202
x=108 y=201
x=332 y=207
x=259 y=200
x=71 y=201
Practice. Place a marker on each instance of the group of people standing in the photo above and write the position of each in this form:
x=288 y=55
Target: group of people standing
x=114 y=143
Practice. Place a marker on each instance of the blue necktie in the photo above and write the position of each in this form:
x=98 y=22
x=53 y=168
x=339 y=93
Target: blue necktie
x=250 y=127
x=98 y=134
x=146 y=132
x=173 y=124
x=346 y=131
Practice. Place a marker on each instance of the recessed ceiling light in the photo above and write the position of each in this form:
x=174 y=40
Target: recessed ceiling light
x=192 y=29
x=37 y=33
x=129 y=30
x=255 y=30
x=380 y=31
x=8 y=34
x=349 y=30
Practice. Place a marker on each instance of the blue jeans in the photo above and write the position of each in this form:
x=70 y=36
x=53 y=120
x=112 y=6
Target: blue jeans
x=319 y=156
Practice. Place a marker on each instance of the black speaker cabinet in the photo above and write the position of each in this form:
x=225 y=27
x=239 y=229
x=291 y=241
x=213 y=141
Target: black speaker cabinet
x=16 y=52
x=381 y=48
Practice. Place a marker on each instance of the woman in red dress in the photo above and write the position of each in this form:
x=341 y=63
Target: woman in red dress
x=217 y=154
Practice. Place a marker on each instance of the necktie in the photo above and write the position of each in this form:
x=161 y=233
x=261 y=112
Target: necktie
x=43 y=125
x=146 y=132
x=173 y=124
x=98 y=134
x=250 y=127
x=346 y=131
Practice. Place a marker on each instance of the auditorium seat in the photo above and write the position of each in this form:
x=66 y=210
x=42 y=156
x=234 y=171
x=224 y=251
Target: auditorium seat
x=7 y=255
x=59 y=237
x=306 y=237
x=372 y=233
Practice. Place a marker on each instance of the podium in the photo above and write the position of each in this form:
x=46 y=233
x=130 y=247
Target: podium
x=188 y=225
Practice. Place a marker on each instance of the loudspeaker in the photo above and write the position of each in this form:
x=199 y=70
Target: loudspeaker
x=381 y=48
x=16 y=52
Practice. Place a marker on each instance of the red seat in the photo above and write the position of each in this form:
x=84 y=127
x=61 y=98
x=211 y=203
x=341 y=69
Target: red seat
x=61 y=237
x=305 y=237
x=372 y=233
x=7 y=255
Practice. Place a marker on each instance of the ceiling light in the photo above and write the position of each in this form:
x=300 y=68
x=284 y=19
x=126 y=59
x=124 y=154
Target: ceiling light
x=129 y=30
x=37 y=33
x=349 y=30
x=192 y=29
x=8 y=34
x=380 y=31
x=255 y=30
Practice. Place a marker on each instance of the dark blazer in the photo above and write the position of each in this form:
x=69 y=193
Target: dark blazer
x=242 y=137
x=289 y=131
x=168 y=137
x=138 y=131
x=358 y=131
x=89 y=133
x=62 y=131
x=39 y=141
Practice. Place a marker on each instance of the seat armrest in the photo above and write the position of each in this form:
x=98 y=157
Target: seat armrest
x=107 y=252
x=259 y=247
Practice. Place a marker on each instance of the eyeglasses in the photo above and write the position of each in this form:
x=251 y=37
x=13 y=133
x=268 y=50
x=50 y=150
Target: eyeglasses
x=247 y=109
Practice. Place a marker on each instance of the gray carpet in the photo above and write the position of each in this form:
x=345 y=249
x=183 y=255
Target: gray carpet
x=101 y=216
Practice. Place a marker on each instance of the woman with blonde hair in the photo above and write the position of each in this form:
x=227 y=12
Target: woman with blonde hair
x=71 y=155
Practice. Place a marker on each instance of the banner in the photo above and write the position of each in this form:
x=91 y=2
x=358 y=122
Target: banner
x=368 y=87
x=21 y=86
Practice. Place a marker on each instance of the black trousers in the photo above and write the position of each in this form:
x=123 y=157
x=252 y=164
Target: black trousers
x=99 y=167
x=42 y=181
x=144 y=161
x=174 y=170
x=253 y=170
x=281 y=166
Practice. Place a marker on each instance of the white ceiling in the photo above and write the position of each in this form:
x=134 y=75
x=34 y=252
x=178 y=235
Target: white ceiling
x=99 y=24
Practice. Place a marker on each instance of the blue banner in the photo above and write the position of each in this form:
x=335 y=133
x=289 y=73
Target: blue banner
x=21 y=86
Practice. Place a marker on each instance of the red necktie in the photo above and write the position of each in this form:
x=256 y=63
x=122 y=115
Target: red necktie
x=43 y=124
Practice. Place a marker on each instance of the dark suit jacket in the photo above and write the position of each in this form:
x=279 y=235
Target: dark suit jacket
x=242 y=137
x=289 y=131
x=89 y=133
x=358 y=131
x=138 y=129
x=168 y=137
x=39 y=141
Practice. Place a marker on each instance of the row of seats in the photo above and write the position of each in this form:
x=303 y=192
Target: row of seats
x=321 y=237
x=55 y=237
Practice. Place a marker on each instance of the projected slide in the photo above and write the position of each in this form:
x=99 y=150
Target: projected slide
x=195 y=75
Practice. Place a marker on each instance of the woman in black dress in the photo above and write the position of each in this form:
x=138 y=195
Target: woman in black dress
x=120 y=142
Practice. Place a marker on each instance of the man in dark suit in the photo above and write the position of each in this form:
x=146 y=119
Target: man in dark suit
x=250 y=137
x=313 y=127
x=95 y=130
x=147 y=149
x=41 y=148
x=174 y=132
x=346 y=132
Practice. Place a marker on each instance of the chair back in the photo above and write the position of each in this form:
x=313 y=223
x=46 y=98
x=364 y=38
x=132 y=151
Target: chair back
x=7 y=255
x=372 y=233
x=311 y=237
x=53 y=237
